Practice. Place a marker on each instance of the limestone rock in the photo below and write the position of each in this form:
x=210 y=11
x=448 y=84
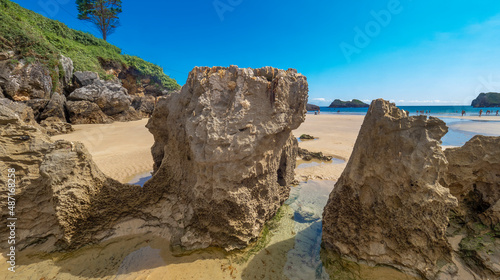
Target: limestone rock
x=55 y=126
x=67 y=66
x=214 y=188
x=224 y=152
x=82 y=79
x=128 y=115
x=37 y=105
x=144 y=105
x=62 y=199
x=24 y=82
x=473 y=177
x=20 y=110
x=388 y=206
x=55 y=108
x=85 y=112
x=111 y=97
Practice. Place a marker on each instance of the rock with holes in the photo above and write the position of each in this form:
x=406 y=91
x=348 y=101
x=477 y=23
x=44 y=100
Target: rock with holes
x=224 y=153
x=388 y=207
x=22 y=81
x=473 y=177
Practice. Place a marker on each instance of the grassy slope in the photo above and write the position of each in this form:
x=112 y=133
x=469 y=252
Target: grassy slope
x=37 y=38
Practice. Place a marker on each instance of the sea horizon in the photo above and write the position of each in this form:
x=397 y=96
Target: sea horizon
x=449 y=110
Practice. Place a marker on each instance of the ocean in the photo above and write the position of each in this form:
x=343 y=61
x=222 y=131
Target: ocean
x=454 y=137
x=434 y=110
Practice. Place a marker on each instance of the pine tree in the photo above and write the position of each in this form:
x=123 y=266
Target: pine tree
x=102 y=13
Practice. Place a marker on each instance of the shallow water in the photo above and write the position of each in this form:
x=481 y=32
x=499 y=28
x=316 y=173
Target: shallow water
x=141 y=179
x=457 y=137
x=307 y=201
x=317 y=162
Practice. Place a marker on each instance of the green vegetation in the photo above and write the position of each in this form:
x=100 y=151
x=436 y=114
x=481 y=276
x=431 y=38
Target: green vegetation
x=102 y=13
x=490 y=99
x=355 y=103
x=264 y=239
x=36 y=38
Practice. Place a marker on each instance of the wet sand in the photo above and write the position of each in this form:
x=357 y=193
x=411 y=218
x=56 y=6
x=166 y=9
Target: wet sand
x=336 y=137
x=122 y=150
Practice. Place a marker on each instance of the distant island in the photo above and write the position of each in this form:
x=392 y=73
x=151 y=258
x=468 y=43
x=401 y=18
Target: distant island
x=355 y=103
x=490 y=99
x=312 y=107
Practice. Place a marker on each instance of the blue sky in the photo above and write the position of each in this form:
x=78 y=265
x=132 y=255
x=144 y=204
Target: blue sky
x=411 y=52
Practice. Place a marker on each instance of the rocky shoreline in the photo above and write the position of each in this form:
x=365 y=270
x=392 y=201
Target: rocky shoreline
x=224 y=159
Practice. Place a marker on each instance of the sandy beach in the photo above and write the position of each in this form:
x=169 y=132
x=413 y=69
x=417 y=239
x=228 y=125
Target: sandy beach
x=122 y=150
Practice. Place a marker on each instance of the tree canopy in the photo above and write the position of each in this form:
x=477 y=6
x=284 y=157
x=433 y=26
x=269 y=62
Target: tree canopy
x=102 y=13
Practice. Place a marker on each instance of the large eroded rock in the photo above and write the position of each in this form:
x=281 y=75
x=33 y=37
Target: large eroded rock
x=224 y=161
x=224 y=152
x=388 y=206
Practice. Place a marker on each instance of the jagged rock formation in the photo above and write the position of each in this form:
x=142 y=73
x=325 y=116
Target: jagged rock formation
x=224 y=150
x=145 y=105
x=97 y=101
x=224 y=159
x=388 y=206
x=111 y=98
x=473 y=177
x=24 y=81
x=62 y=199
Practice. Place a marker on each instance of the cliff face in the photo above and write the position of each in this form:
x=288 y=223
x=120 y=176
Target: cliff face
x=224 y=159
x=224 y=148
x=388 y=206
x=490 y=99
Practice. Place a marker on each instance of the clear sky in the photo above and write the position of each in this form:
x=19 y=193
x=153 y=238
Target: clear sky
x=418 y=52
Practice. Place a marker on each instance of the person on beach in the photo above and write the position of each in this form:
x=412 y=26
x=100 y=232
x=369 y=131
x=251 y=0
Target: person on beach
x=463 y=113
x=480 y=112
x=497 y=113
